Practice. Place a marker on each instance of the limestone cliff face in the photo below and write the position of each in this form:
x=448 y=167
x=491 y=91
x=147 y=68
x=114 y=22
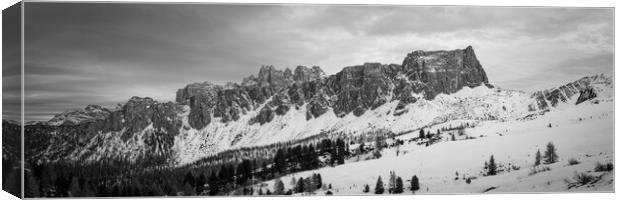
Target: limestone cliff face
x=444 y=71
x=355 y=89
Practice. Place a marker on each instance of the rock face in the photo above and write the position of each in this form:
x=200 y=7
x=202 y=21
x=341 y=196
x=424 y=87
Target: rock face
x=444 y=71
x=552 y=97
x=586 y=94
x=355 y=89
x=72 y=117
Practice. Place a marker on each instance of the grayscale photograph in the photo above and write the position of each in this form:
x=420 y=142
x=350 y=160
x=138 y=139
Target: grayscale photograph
x=230 y=99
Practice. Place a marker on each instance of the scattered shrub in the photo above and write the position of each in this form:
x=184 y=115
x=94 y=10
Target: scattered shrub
x=366 y=188
x=329 y=193
x=603 y=167
x=583 y=178
x=573 y=161
x=538 y=169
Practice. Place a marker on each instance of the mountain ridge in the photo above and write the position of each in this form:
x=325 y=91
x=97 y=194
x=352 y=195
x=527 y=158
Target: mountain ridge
x=280 y=105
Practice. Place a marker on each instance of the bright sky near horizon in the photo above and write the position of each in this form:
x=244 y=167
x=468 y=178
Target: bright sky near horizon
x=80 y=54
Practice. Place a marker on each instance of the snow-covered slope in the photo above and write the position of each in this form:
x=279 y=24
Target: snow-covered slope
x=480 y=103
x=583 y=132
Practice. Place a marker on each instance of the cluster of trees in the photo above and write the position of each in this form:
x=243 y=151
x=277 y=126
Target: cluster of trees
x=301 y=185
x=459 y=127
x=395 y=185
x=549 y=157
x=116 y=178
x=306 y=157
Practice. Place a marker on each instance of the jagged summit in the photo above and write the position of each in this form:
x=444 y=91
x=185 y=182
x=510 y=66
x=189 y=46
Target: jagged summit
x=72 y=117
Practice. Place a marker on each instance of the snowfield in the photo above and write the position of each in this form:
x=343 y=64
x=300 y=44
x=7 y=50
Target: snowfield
x=480 y=103
x=584 y=132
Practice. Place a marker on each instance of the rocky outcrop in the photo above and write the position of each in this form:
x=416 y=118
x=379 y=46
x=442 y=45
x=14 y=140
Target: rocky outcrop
x=138 y=113
x=355 y=89
x=552 y=97
x=359 y=88
x=444 y=71
x=72 y=117
x=586 y=94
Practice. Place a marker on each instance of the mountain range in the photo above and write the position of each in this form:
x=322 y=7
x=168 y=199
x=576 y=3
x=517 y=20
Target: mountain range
x=275 y=106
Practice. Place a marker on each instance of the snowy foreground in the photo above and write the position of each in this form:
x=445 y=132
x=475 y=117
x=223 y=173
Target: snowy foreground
x=583 y=132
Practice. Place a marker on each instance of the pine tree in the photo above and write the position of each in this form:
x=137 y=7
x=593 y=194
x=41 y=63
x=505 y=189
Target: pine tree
x=200 y=183
x=319 y=181
x=379 y=187
x=421 y=136
x=399 y=186
x=415 y=184
x=278 y=187
x=361 y=148
x=189 y=179
x=268 y=192
x=492 y=167
x=299 y=188
x=538 y=157
x=310 y=184
x=74 y=188
x=31 y=186
x=366 y=188
x=550 y=154
x=453 y=138
x=293 y=181
x=392 y=182
x=260 y=191
x=213 y=184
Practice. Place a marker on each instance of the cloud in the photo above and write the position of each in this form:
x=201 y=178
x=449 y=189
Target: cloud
x=80 y=54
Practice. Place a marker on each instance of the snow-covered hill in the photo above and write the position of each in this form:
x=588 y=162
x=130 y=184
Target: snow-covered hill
x=583 y=132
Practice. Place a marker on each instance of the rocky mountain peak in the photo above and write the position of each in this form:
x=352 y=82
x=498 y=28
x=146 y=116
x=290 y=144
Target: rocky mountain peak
x=305 y=74
x=86 y=114
x=444 y=71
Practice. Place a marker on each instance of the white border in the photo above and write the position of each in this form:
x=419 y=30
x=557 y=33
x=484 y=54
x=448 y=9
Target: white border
x=565 y=3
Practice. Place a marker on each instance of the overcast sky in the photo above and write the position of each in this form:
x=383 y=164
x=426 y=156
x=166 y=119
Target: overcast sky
x=80 y=54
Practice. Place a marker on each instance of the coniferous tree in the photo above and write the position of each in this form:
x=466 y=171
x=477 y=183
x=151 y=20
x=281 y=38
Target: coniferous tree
x=379 y=186
x=421 y=136
x=392 y=182
x=492 y=167
x=213 y=184
x=399 y=186
x=319 y=181
x=200 y=183
x=268 y=192
x=415 y=184
x=538 y=158
x=278 y=187
x=299 y=188
x=260 y=191
x=189 y=179
x=74 y=188
x=310 y=184
x=550 y=154
x=188 y=190
x=31 y=187
x=366 y=188
x=361 y=148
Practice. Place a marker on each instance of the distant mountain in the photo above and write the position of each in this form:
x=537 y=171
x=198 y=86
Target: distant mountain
x=429 y=87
